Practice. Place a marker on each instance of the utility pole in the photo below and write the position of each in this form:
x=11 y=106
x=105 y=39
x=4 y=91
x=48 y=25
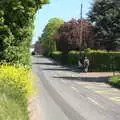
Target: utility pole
x=81 y=26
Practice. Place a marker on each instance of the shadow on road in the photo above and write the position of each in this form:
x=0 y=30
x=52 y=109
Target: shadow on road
x=73 y=69
x=41 y=63
x=58 y=69
x=84 y=79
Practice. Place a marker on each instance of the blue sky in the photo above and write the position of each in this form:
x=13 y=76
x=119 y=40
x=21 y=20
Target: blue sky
x=64 y=9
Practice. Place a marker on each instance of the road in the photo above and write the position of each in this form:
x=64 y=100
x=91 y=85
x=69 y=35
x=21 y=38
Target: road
x=62 y=95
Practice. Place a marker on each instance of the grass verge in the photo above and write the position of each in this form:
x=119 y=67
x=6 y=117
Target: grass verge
x=115 y=81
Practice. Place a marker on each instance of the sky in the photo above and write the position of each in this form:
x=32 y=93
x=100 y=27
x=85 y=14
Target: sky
x=63 y=9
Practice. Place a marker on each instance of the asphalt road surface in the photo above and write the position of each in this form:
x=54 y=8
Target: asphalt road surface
x=63 y=96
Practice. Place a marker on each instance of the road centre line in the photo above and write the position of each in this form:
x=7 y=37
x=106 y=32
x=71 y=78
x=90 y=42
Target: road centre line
x=93 y=101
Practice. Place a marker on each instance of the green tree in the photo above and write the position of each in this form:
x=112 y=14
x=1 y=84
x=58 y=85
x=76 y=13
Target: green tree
x=16 y=25
x=105 y=14
x=47 y=38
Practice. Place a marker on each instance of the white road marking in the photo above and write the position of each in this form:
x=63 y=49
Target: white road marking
x=93 y=101
x=75 y=89
x=83 y=83
x=115 y=99
x=77 y=82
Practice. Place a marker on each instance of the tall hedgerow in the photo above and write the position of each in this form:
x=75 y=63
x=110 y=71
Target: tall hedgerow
x=16 y=25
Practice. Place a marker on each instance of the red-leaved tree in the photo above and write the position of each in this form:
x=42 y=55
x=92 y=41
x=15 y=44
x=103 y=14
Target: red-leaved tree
x=69 y=35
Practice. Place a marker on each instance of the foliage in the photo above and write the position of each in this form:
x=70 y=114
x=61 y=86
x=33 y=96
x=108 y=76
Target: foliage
x=16 y=24
x=92 y=50
x=56 y=55
x=73 y=57
x=99 y=60
x=10 y=109
x=15 y=87
x=68 y=36
x=103 y=61
x=115 y=81
x=66 y=59
x=17 y=80
x=56 y=52
x=105 y=16
x=47 y=38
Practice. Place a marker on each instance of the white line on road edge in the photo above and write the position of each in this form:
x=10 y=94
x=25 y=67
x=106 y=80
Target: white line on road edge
x=75 y=89
x=93 y=101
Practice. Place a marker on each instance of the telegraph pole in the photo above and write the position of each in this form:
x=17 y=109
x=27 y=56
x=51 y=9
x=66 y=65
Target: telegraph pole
x=81 y=26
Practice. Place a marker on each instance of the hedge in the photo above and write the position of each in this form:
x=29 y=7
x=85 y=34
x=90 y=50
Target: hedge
x=99 y=60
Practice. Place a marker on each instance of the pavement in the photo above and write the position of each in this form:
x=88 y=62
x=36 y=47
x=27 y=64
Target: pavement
x=67 y=95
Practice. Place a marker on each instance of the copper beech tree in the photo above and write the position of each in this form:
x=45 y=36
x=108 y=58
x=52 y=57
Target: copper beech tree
x=71 y=36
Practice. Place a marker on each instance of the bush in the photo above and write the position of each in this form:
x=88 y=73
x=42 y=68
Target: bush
x=56 y=55
x=73 y=57
x=15 y=88
x=16 y=26
x=60 y=57
x=100 y=60
x=103 y=61
x=115 y=81
x=97 y=51
x=11 y=109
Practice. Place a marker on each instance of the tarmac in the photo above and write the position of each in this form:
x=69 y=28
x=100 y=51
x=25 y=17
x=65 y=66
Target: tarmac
x=90 y=80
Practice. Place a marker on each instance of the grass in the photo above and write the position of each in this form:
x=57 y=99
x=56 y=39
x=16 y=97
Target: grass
x=11 y=109
x=115 y=81
x=15 y=88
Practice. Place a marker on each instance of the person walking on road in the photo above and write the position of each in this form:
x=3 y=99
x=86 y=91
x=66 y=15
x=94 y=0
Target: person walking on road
x=86 y=64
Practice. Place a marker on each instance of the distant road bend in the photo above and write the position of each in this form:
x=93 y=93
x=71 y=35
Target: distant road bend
x=62 y=97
